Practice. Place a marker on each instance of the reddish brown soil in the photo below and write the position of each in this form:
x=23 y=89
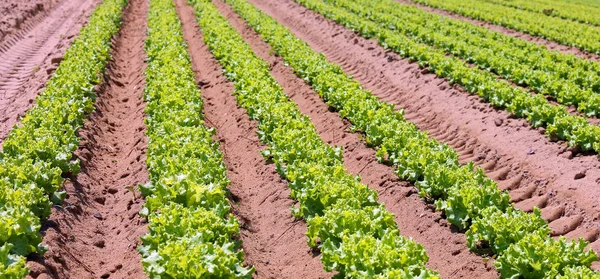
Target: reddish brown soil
x=28 y=59
x=95 y=233
x=273 y=241
x=535 y=170
x=447 y=250
x=18 y=14
x=510 y=32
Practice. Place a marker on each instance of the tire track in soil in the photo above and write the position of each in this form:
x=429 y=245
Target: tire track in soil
x=273 y=241
x=447 y=249
x=28 y=59
x=95 y=233
x=16 y=15
x=551 y=45
x=536 y=172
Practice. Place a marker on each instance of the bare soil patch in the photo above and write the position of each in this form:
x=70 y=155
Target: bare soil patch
x=18 y=14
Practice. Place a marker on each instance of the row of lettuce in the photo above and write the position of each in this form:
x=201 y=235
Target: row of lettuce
x=192 y=233
x=580 y=35
x=565 y=10
x=586 y=3
x=469 y=199
x=357 y=237
x=559 y=123
x=37 y=154
x=569 y=79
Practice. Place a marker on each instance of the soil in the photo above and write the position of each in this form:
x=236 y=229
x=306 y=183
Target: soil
x=273 y=241
x=19 y=14
x=446 y=248
x=551 y=45
x=536 y=171
x=95 y=233
x=28 y=59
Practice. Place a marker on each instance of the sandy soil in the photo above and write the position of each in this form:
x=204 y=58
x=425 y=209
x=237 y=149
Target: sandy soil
x=94 y=234
x=273 y=241
x=28 y=59
x=19 y=14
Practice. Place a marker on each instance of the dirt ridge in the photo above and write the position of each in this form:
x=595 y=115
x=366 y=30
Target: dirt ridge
x=95 y=233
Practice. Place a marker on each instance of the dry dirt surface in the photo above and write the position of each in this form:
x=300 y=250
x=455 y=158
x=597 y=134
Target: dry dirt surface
x=95 y=233
x=19 y=14
x=29 y=57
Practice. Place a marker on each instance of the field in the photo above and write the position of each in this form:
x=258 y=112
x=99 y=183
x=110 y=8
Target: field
x=300 y=139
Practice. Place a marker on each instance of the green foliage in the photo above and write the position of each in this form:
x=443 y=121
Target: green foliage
x=348 y=217
x=38 y=152
x=440 y=177
x=561 y=9
x=537 y=256
x=21 y=171
x=359 y=256
x=191 y=257
x=20 y=228
x=186 y=242
x=327 y=195
x=578 y=272
x=11 y=266
x=363 y=241
x=551 y=28
x=174 y=177
x=497 y=230
x=17 y=194
x=318 y=187
x=467 y=200
x=191 y=233
x=174 y=221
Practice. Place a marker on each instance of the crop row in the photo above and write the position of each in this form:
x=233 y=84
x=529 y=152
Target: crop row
x=192 y=233
x=516 y=60
x=37 y=153
x=469 y=199
x=570 y=33
x=585 y=3
x=357 y=236
x=564 y=10
x=559 y=123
